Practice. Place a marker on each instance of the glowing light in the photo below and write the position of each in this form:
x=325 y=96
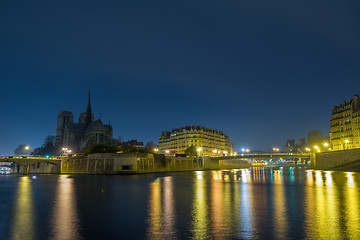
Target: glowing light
x=326 y=144
x=243 y=149
x=350 y=179
x=199 y=149
x=318 y=178
x=215 y=151
x=156 y=150
x=316 y=147
x=247 y=150
x=328 y=178
x=27 y=147
x=346 y=140
x=167 y=151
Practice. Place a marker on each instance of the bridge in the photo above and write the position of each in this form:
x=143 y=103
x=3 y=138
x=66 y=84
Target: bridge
x=34 y=164
x=260 y=156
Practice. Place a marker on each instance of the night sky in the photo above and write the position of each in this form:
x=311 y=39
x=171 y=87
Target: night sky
x=260 y=71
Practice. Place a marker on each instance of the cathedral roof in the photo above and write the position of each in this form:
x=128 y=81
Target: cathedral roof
x=97 y=125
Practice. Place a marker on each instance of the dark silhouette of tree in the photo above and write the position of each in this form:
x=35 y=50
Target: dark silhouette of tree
x=20 y=150
x=150 y=145
x=191 y=151
x=48 y=148
x=127 y=149
x=100 y=148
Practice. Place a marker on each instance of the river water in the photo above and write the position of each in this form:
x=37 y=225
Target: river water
x=283 y=203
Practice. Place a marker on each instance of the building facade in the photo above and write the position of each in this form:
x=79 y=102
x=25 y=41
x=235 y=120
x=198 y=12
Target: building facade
x=208 y=142
x=133 y=144
x=345 y=125
x=79 y=136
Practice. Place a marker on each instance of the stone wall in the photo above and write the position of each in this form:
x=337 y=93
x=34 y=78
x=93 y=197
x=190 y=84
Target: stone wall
x=329 y=160
x=105 y=163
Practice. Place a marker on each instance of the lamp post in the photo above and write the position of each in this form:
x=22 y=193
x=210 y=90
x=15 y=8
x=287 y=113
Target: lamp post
x=27 y=150
x=199 y=150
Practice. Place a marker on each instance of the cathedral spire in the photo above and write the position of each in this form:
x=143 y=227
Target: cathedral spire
x=88 y=110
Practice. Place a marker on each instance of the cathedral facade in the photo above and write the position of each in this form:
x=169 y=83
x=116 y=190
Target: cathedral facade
x=79 y=136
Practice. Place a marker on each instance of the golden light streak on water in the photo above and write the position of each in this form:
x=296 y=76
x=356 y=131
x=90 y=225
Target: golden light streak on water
x=352 y=208
x=318 y=179
x=280 y=219
x=332 y=209
x=217 y=216
x=245 y=175
x=309 y=207
x=246 y=207
x=168 y=208
x=227 y=207
x=23 y=223
x=155 y=214
x=200 y=221
x=350 y=179
x=329 y=181
x=65 y=224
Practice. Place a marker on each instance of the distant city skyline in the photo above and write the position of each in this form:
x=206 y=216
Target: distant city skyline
x=261 y=72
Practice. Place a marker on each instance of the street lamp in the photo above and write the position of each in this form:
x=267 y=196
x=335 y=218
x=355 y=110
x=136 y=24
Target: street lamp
x=346 y=143
x=156 y=150
x=27 y=150
x=199 y=150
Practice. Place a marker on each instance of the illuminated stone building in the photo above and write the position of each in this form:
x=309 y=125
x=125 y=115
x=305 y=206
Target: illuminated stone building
x=345 y=125
x=208 y=142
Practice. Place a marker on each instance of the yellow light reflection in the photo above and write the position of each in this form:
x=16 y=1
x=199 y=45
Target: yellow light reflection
x=245 y=175
x=318 y=179
x=155 y=221
x=199 y=214
x=279 y=210
x=23 y=227
x=168 y=209
x=328 y=178
x=246 y=206
x=217 y=214
x=65 y=222
x=310 y=180
x=199 y=174
x=350 y=179
x=352 y=208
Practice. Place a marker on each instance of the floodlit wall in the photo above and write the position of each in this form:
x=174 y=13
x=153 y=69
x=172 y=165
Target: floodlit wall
x=334 y=159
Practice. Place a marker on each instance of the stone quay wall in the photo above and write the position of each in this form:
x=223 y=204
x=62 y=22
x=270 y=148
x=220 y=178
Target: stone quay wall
x=105 y=163
x=337 y=159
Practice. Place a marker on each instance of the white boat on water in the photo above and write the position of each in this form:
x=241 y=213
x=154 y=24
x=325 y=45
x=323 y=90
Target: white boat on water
x=5 y=170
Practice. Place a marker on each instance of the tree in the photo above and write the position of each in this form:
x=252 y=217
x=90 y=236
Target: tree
x=150 y=145
x=191 y=151
x=100 y=148
x=21 y=150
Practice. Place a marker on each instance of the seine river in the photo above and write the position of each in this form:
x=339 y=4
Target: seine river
x=283 y=203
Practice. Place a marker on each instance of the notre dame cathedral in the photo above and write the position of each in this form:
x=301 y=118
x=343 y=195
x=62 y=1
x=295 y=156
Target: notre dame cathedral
x=79 y=136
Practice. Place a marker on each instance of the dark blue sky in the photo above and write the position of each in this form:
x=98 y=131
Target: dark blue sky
x=260 y=71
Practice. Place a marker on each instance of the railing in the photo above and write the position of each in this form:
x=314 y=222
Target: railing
x=30 y=157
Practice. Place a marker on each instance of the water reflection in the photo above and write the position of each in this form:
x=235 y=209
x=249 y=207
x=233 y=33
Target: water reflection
x=199 y=213
x=279 y=209
x=352 y=198
x=161 y=209
x=260 y=203
x=65 y=224
x=23 y=220
x=155 y=214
